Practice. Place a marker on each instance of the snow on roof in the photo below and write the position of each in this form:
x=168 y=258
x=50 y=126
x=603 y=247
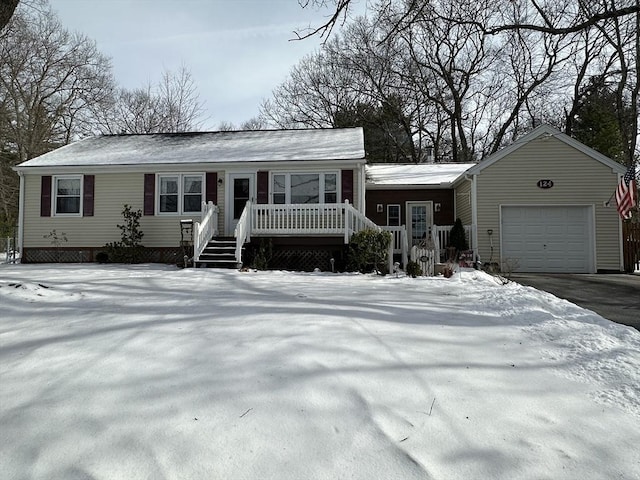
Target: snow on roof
x=207 y=147
x=416 y=174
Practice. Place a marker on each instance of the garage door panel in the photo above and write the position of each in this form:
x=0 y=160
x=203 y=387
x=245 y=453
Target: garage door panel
x=547 y=238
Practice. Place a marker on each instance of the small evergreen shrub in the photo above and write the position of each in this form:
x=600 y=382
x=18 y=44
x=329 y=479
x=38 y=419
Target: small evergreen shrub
x=263 y=255
x=413 y=269
x=129 y=248
x=369 y=251
x=458 y=238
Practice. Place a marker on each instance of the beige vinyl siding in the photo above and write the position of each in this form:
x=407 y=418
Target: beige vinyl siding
x=577 y=180
x=463 y=203
x=112 y=191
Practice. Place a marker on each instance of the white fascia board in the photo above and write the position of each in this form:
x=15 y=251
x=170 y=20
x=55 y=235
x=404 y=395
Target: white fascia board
x=540 y=132
x=435 y=186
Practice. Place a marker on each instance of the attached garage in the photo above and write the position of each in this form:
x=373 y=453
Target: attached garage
x=549 y=239
x=543 y=204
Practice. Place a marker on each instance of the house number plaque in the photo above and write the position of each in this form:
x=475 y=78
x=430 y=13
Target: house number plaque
x=545 y=183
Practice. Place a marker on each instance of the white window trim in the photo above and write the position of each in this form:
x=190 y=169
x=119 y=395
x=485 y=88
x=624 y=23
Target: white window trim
x=180 y=193
x=54 y=195
x=287 y=183
x=399 y=213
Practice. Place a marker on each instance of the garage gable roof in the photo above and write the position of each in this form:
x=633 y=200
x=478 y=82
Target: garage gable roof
x=545 y=131
x=207 y=147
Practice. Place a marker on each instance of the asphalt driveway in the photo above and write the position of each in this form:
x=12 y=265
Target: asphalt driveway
x=615 y=297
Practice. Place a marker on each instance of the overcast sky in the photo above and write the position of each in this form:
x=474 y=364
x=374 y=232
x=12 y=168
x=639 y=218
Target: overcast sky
x=236 y=50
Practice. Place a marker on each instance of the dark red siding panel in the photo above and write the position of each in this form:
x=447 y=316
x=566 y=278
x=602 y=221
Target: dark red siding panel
x=347 y=185
x=263 y=187
x=212 y=188
x=149 y=193
x=87 y=195
x=45 y=196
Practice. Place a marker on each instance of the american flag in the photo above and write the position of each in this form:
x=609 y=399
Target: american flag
x=626 y=193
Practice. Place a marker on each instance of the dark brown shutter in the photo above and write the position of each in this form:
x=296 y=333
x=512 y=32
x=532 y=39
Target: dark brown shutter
x=45 y=196
x=212 y=188
x=149 y=193
x=263 y=187
x=87 y=195
x=347 y=185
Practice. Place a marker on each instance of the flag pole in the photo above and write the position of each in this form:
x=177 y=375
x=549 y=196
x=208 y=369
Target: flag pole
x=608 y=202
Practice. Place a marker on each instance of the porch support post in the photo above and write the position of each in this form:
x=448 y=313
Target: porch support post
x=346 y=221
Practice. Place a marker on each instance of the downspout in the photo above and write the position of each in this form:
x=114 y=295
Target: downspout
x=21 y=214
x=474 y=213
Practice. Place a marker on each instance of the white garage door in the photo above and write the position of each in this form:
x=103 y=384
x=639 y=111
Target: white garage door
x=547 y=239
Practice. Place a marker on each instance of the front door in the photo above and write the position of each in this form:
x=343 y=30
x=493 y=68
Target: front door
x=419 y=221
x=241 y=190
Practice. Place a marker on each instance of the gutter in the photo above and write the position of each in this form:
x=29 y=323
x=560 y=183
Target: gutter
x=474 y=212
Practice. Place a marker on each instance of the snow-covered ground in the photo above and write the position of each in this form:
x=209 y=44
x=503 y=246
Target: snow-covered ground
x=150 y=372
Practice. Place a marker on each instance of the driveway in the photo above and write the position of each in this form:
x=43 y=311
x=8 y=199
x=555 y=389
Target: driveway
x=615 y=297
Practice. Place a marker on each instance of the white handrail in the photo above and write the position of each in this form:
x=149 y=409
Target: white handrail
x=356 y=221
x=204 y=230
x=243 y=231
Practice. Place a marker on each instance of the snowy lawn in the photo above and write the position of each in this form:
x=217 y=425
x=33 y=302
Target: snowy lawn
x=150 y=372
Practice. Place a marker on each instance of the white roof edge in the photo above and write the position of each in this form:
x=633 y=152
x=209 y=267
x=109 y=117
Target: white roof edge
x=248 y=146
x=168 y=167
x=408 y=186
x=537 y=133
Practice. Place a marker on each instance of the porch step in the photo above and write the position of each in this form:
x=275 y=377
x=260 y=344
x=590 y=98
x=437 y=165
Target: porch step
x=219 y=253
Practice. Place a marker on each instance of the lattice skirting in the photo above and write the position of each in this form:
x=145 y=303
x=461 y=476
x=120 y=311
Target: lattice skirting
x=71 y=255
x=302 y=259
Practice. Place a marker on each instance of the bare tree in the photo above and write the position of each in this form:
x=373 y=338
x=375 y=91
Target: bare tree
x=570 y=21
x=225 y=126
x=50 y=80
x=479 y=72
x=172 y=105
x=255 y=123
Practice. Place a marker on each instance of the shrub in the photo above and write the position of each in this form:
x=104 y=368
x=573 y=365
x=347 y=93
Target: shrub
x=458 y=238
x=413 y=269
x=102 y=257
x=129 y=248
x=368 y=251
x=263 y=255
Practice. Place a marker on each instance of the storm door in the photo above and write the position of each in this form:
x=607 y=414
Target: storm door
x=419 y=221
x=241 y=190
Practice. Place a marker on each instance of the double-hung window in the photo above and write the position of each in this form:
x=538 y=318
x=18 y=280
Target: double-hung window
x=67 y=195
x=180 y=193
x=393 y=215
x=304 y=188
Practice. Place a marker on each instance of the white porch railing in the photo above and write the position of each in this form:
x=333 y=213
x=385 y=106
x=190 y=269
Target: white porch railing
x=441 y=235
x=297 y=219
x=308 y=219
x=400 y=242
x=339 y=219
x=204 y=230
